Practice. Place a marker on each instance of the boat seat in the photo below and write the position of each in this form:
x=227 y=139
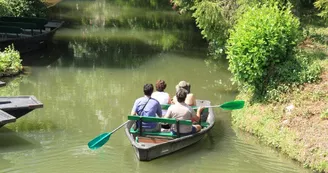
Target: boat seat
x=153 y=140
x=40 y=22
x=23 y=25
x=11 y=30
x=157 y=120
x=164 y=134
x=204 y=124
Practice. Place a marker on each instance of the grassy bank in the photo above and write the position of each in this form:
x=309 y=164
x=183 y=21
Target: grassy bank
x=298 y=123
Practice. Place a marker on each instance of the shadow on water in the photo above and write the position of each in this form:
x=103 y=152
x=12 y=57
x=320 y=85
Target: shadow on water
x=12 y=141
x=44 y=57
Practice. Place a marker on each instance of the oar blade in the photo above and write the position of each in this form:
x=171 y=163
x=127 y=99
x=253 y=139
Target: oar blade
x=99 y=141
x=237 y=104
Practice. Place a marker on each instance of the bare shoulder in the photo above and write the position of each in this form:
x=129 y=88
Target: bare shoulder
x=190 y=95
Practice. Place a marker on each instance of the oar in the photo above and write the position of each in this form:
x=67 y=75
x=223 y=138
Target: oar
x=237 y=104
x=100 y=140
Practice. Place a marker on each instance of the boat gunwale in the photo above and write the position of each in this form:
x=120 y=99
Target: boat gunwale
x=36 y=104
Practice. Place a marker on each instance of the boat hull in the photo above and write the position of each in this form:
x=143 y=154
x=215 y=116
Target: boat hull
x=17 y=107
x=147 y=152
x=33 y=43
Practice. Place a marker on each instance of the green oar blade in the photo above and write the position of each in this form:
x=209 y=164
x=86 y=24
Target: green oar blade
x=99 y=141
x=237 y=104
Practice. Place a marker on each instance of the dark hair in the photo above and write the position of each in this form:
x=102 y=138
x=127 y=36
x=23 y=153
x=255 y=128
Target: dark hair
x=188 y=87
x=181 y=94
x=160 y=85
x=148 y=89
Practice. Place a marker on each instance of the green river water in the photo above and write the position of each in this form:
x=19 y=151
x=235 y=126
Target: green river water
x=89 y=79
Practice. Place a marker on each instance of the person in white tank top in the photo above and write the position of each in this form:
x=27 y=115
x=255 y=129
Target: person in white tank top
x=161 y=96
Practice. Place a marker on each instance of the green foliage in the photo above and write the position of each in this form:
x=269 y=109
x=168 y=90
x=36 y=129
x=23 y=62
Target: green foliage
x=210 y=20
x=262 y=39
x=183 y=5
x=22 y=8
x=324 y=115
x=291 y=74
x=10 y=62
x=323 y=6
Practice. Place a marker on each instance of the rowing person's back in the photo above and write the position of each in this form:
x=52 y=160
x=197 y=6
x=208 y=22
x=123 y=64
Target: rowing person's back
x=181 y=111
x=148 y=107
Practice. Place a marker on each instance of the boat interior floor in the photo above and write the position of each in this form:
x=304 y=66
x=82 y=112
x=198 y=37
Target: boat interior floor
x=152 y=139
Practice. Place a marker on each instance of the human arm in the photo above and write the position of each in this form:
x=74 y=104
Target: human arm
x=174 y=100
x=134 y=108
x=196 y=118
x=170 y=101
x=159 y=110
x=168 y=113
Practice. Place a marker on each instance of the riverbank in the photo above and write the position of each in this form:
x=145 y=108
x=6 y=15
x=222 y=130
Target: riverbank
x=298 y=124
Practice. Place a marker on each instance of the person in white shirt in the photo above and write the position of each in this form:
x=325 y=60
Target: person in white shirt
x=161 y=96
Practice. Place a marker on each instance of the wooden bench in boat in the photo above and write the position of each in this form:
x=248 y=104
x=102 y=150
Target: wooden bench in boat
x=7 y=30
x=22 y=25
x=23 y=22
x=150 y=139
x=160 y=120
x=40 y=22
x=157 y=120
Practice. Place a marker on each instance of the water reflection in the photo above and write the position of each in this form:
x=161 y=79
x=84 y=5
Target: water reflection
x=107 y=34
x=12 y=86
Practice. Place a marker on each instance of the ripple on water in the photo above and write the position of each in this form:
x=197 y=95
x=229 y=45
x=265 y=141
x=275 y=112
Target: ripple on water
x=62 y=155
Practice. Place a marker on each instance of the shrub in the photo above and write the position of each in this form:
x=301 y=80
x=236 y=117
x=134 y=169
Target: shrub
x=10 y=62
x=263 y=38
x=23 y=8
